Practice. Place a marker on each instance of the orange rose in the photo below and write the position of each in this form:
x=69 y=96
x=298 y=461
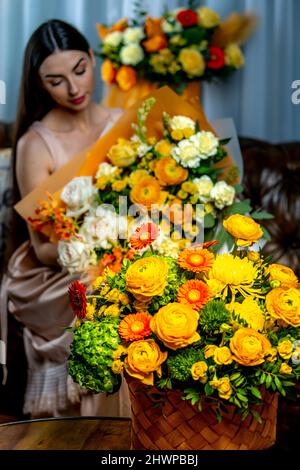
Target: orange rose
x=126 y=77
x=155 y=43
x=108 y=72
x=249 y=347
x=168 y=172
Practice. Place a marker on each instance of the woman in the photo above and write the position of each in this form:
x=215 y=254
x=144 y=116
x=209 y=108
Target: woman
x=56 y=120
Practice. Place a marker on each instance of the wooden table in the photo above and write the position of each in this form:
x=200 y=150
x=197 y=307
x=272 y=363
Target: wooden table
x=66 y=434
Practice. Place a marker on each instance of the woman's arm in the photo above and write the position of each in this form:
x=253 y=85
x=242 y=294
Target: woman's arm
x=34 y=165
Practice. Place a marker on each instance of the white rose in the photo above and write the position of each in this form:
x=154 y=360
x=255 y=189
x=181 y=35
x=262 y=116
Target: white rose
x=204 y=186
x=222 y=194
x=187 y=154
x=105 y=169
x=131 y=54
x=206 y=142
x=181 y=122
x=75 y=255
x=133 y=35
x=78 y=195
x=113 y=39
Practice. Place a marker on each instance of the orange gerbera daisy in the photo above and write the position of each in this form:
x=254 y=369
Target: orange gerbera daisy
x=144 y=236
x=168 y=172
x=147 y=192
x=135 y=326
x=195 y=293
x=196 y=260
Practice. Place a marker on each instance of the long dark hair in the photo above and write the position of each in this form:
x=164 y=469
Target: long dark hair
x=34 y=101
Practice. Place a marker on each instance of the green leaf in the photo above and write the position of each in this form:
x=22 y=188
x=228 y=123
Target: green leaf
x=267 y=236
x=268 y=380
x=209 y=221
x=242 y=397
x=208 y=390
x=262 y=215
x=256 y=392
x=225 y=141
x=200 y=406
x=238 y=188
x=241 y=207
x=256 y=416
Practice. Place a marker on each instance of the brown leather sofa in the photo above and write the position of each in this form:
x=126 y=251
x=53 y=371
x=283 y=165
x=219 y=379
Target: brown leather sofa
x=272 y=182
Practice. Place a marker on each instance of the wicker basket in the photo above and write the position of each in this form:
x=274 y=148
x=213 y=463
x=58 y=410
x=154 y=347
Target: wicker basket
x=174 y=424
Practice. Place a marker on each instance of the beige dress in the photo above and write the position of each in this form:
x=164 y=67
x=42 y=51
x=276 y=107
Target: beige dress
x=37 y=296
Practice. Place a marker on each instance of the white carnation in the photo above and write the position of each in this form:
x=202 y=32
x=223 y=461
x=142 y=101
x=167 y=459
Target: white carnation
x=78 y=195
x=75 y=255
x=222 y=194
x=181 y=122
x=187 y=154
x=204 y=186
x=206 y=142
x=165 y=246
x=105 y=169
x=113 y=39
x=131 y=54
x=133 y=35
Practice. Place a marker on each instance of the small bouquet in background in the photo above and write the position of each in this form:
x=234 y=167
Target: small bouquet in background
x=183 y=45
x=173 y=179
x=219 y=328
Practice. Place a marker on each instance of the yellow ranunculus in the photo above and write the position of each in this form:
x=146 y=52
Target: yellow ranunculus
x=143 y=358
x=117 y=366
x=222 y=356
x=122 y=350
x=283 y=274
x=123 y=153
x=136 y=175
x=249 y=347
x=234 y=56
x=285 y=369
x=209 y=350
x=164 y=147
x=199 y=370
x=244 y=229
x=119 y=185
x=250 y=311
x=224 y=388
x=284 y=304
x=147 y=192
x=147 y=277
x=285 y=349
x=208 y=18
x=176 y=325
x=192 y=62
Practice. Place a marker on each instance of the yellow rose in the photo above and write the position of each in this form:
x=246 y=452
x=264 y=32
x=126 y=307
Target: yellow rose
x=143 y=358
x=147 y=277
x=189 y=187
x=119 y=185
x=123 y=153
x=208 y=18
x=284 y=304
x=117 y=366
x=244 y=229
x=283 y=274
x=209 y=350
x=103 y=181
x=234 y=56
x=199 y=370
x=285 y=349
x=222 y=356
x=124 y=299
x=113 y=295
x=249 y=347
x=250 y=311
x=112 y=310
x=224 y=388
x=192 y=62
x=285 y=369
x=176 y=325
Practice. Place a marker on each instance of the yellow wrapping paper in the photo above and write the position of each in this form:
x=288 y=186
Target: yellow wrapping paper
x=87 y=162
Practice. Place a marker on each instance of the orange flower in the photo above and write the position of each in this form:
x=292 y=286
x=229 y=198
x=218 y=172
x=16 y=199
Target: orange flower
x=153 y=26
x=168 y=172
x=103 y=31
x=112 y=260
x=126 y=77
x=144 y=236
x=155 y=43
x=195 y=293
x=135 y=326
x=196 y=260
x=147 y=192
x=108 y=72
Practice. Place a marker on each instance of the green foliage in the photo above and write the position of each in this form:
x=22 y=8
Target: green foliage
x=180 y=364
x=91 y=355
x=212 y=316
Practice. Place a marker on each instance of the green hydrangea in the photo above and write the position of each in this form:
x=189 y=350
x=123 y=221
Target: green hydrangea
x=91 y=355
x=181 y=362
x=212 y=316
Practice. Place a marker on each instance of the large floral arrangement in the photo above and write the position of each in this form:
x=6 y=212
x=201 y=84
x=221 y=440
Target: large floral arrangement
x=173 y=179
x=217 y=327
x=183 y=45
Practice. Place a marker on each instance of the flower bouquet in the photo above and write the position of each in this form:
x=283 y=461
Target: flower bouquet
x=206 y=341
x=173 y=175
x=182 y=46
